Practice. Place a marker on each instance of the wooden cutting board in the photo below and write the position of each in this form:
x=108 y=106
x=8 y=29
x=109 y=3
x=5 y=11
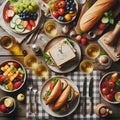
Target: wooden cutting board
x=98 y=32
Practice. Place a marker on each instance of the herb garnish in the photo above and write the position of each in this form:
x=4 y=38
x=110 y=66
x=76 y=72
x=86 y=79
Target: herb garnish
x=48 y=59
x=55 y=80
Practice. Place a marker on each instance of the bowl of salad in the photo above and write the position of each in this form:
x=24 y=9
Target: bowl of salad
x=12 y=75
x=109 y=87
x=21 y=16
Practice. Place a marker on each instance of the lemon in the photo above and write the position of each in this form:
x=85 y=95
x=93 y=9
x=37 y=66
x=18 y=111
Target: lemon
x=117 y=96
x=9 y=102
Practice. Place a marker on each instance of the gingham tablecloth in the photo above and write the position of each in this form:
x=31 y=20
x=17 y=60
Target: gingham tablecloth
x=78 y=79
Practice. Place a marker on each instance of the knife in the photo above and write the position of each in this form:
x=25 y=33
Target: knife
x=84 y=97
x=91 y=96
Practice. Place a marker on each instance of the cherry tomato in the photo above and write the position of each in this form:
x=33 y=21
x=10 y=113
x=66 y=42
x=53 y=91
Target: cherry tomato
x=61 y=11
x=104 y=84
x=109 y=97
x=105 y=91
x=62 y=4
x=111 y=84
x=55 y=14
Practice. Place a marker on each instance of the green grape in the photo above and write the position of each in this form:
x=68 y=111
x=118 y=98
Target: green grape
x=30 y=8
x=34 y=4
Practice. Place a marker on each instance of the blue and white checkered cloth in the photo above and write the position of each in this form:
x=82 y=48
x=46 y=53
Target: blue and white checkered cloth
x=78 y=79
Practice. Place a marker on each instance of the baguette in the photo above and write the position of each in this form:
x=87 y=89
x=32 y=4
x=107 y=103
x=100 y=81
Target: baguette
x=62 y=99
x=54 y=94
x=93 y=14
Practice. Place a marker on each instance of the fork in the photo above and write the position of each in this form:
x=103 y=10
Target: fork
x=35 y=92
x=30 y=90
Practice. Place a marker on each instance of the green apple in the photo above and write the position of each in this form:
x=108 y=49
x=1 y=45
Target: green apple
x=20 y=97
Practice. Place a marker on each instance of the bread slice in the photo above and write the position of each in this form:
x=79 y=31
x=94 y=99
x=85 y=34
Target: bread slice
x=62 y=52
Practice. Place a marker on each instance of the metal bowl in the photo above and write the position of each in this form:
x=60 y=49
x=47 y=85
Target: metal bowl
x=3 y=85
x=106 y=77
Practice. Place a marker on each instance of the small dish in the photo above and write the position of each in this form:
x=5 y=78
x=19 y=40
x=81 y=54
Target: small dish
x=7 y=105
x=12 y=75
x=69 y=66
x=109 y=87
x=47 y=107
x=15 y=23
x=64 y=11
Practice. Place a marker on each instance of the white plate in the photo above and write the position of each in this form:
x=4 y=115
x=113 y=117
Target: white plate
x=47 y=108
x=69 y=66
x=25 y=31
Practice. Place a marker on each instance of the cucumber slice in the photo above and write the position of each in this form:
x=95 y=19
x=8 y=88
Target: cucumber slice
x=20 y=26
x=18 y=21
x=12 y=25
x=15 y=18
x=18 y=29
x=105 y=20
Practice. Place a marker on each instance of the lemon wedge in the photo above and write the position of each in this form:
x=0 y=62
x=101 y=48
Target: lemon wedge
x=9 y=102
x=117 y=96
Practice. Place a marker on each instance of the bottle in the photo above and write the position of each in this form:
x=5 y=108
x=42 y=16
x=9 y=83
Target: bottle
x=103 y=110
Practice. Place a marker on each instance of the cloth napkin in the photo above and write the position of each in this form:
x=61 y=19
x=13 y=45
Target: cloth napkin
x=78 y=79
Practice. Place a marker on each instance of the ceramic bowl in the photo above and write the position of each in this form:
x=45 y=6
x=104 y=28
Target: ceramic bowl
x=12 y=75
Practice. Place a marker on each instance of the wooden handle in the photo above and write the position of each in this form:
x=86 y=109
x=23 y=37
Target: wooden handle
x=84 y=106
x=116 y=30
x=91 y=106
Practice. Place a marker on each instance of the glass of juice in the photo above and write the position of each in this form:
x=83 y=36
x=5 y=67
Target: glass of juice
x=9 y=43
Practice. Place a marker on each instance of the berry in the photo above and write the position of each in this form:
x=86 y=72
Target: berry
x=2 y=78
x=3 y=108
x=101 y=26
x=15 y=64
x=83 y=41
x=17 y=84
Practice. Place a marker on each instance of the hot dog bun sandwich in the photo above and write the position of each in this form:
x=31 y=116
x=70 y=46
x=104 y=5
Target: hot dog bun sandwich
x=54 y=91
x=94 y=13
x=60 y=96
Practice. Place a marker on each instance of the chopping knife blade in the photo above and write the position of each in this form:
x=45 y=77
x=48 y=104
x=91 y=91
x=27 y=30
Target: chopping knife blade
x=84 y=96
x=91 y=96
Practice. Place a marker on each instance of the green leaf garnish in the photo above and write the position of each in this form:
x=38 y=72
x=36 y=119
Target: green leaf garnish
x=55 y=80
x=80 y=31
x=102 y=52
x=48 y=59
x=118 y=83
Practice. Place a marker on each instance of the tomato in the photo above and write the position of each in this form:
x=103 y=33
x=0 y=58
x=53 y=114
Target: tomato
x=55 y=14
x=109 y=97
x=52 y=86
x=61 y=11
x=112 y=91
x=111 y=84
x=105 y=91
x=104 y=84
x=5 y=15
x=62 y=4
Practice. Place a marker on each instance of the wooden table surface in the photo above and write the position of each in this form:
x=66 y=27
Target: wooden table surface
x=20 y=111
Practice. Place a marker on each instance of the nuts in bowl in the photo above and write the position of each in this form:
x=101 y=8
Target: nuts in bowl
x=110 y=87
x=12 y=75
x=64 y=11
x=7 y=105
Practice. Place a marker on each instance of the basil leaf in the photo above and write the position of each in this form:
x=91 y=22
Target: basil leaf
x=55 y=80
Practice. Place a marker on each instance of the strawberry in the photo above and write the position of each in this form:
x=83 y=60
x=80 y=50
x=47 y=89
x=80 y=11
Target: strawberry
x=3 y=108
x=2 y=78
x=25 y=23
x=101 y=26
x=83 y=41
x=17 y=84
x=78 y=37
x=16 y=64
x=29 y=27
x=32 y=23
